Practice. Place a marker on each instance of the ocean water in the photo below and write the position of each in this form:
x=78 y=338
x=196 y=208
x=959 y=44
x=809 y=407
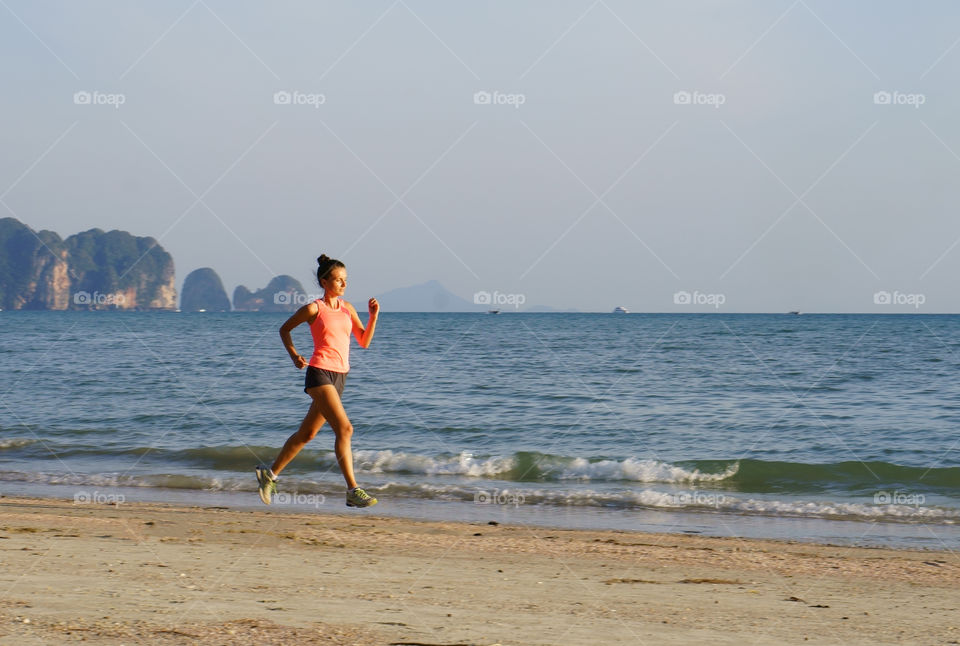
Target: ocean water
x=842 y=428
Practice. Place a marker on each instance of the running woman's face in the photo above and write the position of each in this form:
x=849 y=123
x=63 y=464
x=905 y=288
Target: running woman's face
x=336 y=281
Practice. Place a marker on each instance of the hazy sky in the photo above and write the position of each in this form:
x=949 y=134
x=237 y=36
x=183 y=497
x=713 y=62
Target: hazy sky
x=586 y=181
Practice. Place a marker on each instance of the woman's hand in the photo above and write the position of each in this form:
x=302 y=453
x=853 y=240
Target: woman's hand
x=373 y=306
x=299 y=362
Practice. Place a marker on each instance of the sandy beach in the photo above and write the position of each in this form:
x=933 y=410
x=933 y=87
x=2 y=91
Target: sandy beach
x=149 y=573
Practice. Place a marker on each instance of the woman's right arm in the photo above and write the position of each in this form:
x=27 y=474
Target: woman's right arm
x=302 y=315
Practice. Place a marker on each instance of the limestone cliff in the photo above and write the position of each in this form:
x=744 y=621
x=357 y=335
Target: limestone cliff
x=89 y=270
x=282 y=294
x=203 y=290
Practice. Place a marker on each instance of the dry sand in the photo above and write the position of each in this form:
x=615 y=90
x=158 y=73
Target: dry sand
x=148 y=573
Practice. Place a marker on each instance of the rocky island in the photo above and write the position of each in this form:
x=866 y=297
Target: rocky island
x=92 y=270
x=282 y=294
x=203 y=290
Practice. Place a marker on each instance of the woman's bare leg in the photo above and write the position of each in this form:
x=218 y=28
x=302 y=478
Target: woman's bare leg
x=328 y=403
x=308 y=429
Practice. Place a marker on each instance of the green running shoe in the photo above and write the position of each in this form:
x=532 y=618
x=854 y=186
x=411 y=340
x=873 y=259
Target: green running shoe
x=267 y=485
x=359 y=498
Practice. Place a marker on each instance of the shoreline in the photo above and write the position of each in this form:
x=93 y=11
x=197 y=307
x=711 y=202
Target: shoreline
x=852 y=532
x=169 y=573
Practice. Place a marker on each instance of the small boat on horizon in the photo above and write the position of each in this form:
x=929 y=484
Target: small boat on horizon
x=619 y=309
x=794 y=312
x=493 y=311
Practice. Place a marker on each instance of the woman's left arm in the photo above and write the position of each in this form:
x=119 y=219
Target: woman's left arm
x=364 y=335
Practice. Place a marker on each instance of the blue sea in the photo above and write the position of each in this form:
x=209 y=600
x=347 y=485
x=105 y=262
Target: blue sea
x=834 y=428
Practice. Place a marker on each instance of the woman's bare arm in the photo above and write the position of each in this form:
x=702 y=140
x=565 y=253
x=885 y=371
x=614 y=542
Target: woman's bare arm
x=364 y=335
x=302 y=315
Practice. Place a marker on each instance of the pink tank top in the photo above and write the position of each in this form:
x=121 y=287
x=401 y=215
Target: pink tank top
x=331 y=338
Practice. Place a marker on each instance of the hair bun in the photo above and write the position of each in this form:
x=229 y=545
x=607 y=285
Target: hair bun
x=323 y=258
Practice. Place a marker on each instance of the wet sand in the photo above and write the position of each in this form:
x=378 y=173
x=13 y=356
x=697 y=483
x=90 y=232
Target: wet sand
x=151 y=573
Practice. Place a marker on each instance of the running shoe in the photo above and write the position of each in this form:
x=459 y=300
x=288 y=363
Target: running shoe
x=267 y=485
x=359 y=498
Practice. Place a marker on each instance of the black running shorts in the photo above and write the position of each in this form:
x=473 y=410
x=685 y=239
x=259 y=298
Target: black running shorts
x=321 y=377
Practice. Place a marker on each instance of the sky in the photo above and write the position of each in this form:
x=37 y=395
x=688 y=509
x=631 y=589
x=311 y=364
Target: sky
x=728 y=156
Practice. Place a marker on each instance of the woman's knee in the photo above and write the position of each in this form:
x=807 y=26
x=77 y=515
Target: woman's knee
x=344 y=429
x=304 y=435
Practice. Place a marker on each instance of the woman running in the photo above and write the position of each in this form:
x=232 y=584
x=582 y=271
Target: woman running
x=331 y=320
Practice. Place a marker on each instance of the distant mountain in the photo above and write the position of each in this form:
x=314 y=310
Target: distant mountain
x=203 y=290
x=90 y=270
x=282 y=294
x=426 y=297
